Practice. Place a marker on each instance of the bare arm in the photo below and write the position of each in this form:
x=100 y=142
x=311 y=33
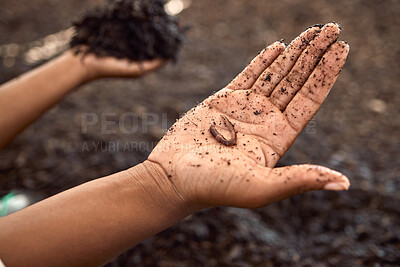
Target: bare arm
x=25 y=98
x=268 y=105
x=94 y=222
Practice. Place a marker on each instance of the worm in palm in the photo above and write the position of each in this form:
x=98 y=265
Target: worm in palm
x=220 y=138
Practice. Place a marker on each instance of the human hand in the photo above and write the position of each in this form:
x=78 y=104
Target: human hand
x=269 y=104
x=110 y=67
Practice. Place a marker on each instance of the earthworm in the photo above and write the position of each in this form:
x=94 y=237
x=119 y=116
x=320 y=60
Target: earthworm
x=220 y=138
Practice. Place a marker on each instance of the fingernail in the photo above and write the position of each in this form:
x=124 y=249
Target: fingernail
x=336 y=186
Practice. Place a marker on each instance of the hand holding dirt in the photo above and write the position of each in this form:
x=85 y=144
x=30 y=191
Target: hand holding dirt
x=109 y=67
x=269 y=104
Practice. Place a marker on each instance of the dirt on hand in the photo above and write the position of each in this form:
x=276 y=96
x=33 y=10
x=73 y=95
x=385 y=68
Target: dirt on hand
x=355 y=132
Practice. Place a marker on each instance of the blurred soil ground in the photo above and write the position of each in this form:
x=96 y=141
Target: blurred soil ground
x=355 y=132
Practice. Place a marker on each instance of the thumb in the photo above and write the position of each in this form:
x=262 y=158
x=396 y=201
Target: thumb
x=258 y=186
x=297 y=179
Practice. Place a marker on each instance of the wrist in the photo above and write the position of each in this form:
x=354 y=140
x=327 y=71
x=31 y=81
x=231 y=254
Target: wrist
x=81 y=66
x=158 y=193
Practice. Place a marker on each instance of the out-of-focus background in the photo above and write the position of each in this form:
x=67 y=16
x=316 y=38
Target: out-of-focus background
x=355 y=132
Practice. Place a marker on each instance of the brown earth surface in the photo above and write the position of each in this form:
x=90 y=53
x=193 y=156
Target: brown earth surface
x=355 y=132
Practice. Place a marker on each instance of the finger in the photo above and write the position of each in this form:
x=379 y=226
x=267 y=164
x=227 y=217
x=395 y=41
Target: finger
x=125 y=68
x=265 y=185
x=151 y=65
x=292 y=180
x=285 y=61
x=253 y=186
x=139 y=68
x=307 y=61
x=308 y=100
x=248 y=76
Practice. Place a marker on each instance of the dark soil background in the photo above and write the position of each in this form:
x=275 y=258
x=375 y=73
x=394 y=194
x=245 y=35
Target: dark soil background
x=356 y=132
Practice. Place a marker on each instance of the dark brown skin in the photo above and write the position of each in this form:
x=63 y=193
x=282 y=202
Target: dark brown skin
x=220 y=138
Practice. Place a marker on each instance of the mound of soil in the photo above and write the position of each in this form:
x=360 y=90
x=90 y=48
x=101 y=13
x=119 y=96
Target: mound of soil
x=132 y=29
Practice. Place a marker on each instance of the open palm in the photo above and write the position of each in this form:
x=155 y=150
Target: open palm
x=269 y=104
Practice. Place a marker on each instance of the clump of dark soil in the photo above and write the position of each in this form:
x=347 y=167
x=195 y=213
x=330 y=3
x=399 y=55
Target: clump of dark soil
x=132 y=29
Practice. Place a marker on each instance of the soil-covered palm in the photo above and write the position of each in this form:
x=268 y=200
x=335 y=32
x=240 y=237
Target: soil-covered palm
x=269 y=104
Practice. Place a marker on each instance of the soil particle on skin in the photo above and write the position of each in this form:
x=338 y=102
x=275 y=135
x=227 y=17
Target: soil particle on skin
x=132 y=29
x=354 y=133
x=268 y=77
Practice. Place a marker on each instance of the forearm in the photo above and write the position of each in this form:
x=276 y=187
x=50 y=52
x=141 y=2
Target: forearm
x=92 y=223
x=25 y=98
